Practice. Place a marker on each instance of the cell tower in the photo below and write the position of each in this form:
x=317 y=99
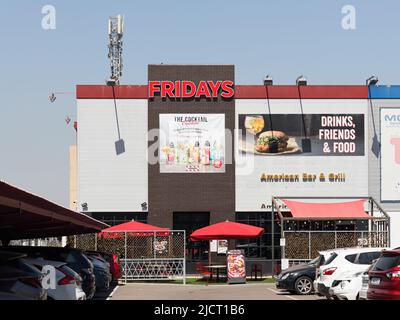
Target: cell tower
x=115 y=32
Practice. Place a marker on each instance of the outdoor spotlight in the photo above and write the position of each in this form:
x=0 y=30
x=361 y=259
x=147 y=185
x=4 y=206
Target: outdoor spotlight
x=52 y=98
x=372 y=81
x=268 y=81
x=111 y=82
x=301 y=81
x=144 y=206
x=120 y=147
x=84 y=206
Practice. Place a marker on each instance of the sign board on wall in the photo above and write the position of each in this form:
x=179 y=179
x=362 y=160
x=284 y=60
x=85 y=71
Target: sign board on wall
x=236 y=267
x=192 y=143
x=322 y=154
x=390 y=154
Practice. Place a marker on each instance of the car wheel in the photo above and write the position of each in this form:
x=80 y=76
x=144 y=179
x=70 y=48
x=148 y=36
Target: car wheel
x=303 y=285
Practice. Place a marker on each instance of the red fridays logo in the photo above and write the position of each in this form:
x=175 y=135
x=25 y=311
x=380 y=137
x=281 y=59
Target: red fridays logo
x=188 y=89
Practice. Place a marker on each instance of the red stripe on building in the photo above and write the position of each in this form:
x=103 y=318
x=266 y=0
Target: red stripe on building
x=241 y=92
x=106 y=92
x=306 y=92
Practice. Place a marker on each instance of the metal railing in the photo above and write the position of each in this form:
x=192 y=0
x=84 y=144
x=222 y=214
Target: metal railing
x=144 y=255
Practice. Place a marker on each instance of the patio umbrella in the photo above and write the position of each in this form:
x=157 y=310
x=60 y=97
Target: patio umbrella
x=132 y=228
x=225 y=231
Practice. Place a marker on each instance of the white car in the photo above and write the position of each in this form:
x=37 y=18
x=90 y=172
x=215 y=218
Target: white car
x=362 y=295
x=343 y=265
x=68 y=282
x=348 y=288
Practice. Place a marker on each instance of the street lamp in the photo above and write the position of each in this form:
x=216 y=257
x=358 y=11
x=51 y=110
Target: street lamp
x=371 y=81
x=301 y=81
x=305 y=141
x=268 y=81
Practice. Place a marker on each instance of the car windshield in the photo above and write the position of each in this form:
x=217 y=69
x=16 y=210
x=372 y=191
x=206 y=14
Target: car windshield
x=386 y=261
x=314 y=261
x=324 y=259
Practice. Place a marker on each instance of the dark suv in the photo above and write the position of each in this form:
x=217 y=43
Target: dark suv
x=74 y=258
x=298 y=279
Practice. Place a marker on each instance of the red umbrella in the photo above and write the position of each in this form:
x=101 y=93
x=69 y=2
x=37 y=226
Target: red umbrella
x=225 y=231
x=132 y=228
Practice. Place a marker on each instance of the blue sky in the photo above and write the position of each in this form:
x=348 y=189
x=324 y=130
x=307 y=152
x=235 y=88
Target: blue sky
x=282 y=38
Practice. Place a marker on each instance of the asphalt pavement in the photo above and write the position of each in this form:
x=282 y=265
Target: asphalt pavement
x=150 y=291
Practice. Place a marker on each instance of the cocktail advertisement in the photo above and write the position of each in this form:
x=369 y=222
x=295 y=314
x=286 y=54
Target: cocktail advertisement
x=192 y=143
x=236 y=267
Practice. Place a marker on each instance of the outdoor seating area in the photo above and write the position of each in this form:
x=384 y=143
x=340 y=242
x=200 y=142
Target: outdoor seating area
x=150 y=253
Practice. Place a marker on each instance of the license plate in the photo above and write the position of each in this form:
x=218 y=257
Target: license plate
x=375 y=281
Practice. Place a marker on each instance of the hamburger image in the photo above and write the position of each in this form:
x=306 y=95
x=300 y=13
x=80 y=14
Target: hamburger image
x=272 y=142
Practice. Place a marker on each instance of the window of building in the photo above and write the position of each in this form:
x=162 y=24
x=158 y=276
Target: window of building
x=191 y=221
x=260 y=248
x=114 y=219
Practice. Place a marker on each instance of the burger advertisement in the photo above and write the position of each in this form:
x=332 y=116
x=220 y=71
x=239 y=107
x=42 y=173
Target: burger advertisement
x=192 y=143
x=306 y=135
x=318 y=153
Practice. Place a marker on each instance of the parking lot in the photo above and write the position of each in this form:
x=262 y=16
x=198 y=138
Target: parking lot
x=150 y=291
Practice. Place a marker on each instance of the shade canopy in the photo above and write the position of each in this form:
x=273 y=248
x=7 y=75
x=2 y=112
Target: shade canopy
x=132 y=228
x=225 y=231
x=24 y=215
x=323 y=211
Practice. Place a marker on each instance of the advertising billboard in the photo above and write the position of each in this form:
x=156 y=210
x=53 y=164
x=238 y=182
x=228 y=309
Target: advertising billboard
x=318 y=153
x=305 y=135
x=390 y=154
x=192 y=143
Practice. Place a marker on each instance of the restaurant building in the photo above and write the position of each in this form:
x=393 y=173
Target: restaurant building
x=192 y=148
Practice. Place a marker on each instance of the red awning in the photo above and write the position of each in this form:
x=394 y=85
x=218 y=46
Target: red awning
x=225 y=231
x=337 y=210
x=133 y=228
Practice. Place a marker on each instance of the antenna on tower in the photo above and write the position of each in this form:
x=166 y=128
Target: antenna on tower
x=115 y=32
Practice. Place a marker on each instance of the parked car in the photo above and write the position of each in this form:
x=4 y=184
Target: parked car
x=19 y=279
x=68 y=282
x=347 y=288
x=74 y=258
x=362 y=295
x=343 y=271
x=113 y=260
x=384 y=277
x=102 y=273
x=298 y=279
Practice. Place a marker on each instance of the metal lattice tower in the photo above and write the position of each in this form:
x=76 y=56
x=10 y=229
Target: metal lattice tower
x=115 y=32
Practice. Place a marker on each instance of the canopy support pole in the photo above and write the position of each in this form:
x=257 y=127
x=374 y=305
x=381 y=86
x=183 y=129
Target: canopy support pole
x=126 y=252
x=209 y=252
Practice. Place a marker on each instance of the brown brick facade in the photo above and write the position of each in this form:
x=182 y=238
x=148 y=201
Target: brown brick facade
x=186 y=192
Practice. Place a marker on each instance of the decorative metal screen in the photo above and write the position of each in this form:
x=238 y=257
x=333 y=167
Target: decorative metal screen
x=149 y=255
x=305 y=245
